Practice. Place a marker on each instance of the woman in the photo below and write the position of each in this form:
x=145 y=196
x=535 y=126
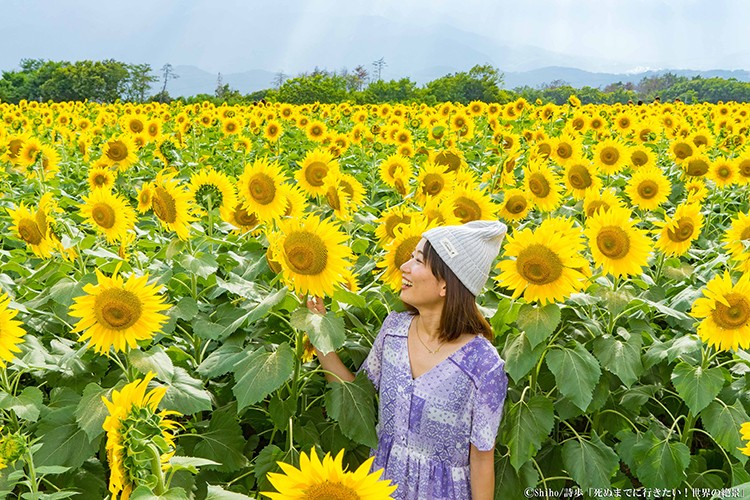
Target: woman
x=441 y=382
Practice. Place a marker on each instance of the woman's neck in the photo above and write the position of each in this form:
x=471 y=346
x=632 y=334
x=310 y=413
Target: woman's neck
x=429 y=323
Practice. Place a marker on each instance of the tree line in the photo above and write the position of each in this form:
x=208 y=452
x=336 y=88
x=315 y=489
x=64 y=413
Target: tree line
x=109 y=81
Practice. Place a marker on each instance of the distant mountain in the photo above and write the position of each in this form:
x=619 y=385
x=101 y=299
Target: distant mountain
x=193 y=80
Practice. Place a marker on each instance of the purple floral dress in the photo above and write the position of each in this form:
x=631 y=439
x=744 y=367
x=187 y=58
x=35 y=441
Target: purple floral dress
x=425 y=425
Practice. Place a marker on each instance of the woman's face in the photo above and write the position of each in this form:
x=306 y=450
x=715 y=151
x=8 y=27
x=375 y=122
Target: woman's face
x=419 y=286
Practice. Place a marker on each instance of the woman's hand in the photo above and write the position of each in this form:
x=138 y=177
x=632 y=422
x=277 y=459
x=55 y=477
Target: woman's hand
x=315 y=304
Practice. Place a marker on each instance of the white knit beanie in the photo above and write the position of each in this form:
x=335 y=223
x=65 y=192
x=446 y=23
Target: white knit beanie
x=469 y=249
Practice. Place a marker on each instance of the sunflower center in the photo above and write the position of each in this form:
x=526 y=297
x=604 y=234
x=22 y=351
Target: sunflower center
x=596 y=205
x=639 y=158
x=164 y=205
x=262 y=188
x=100 y=180
x=682 y=150
x=544 y=149
x=467 y=209
x=683 y=231
x=117 y=309
x=243 y=217
x=136 y=126
x=117 y=151
x=613 y=242
x=330 y=491
x=315 y=172
x=564 y=150
x=393 y=221
x=404 y=250
x=648 y=189
x=103 y=215
x=306 y=253
x=724 y=172
x=29 y=232
x=448 y=159
x=332 y=195
x=609 y=155
x=538 y=185
x=579 y=177
x=539 y=265
x=745 y=234
x=734 y=316
x=697 y=167
x=400 y=187
x=744 y=168
x=433 y=184
x=516 y=204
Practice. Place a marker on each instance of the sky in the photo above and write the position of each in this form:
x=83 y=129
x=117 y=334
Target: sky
x=293 y=36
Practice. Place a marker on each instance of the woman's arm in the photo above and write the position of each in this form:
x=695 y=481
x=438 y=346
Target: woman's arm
x=335 y=369
x=482 y=468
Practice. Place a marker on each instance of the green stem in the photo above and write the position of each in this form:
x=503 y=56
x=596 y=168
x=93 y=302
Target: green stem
x=687 y=430
x=33 y=483
x=156 y=469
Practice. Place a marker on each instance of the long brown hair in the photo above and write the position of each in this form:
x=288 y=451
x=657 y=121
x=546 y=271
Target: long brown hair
x=460 y=313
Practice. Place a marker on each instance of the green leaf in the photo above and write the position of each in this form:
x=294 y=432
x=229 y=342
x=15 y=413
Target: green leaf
x=186 y=308
x=576 y=373
x=267 y=459
x=591 y=463
x=326 y=331
x=190 y=463
x=145 y=493
x=538 y=322
x=91 y=410
x=218 y=493
x=51 y=470
x=525 y=427
x=221 y=361
x=723 y=423
x=223 y=441
x=696 y=386
x=519 y=357
x=351 y=298
x=260 y=373
x=281 y=411
x=26 y=405
x=352 y=405
x=511 y=483
x=661 y=463
x=204 y=264
x=63 y=442
x=185 y=394
x=621 y=357
x=154 y=360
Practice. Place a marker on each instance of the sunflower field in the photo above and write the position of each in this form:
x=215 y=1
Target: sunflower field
x=156 y=260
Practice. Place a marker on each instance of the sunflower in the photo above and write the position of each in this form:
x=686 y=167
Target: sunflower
x=542 y=185
x=172 y=204
x=610 y=156
x=737 y=240
x=604 y=200
x=544 y=265
x=648 y=188
x=471 y=204
x=451 y=159
x=272 y=131
x=723 y=172
x=682 y=150
x=231 y=126
x=100 y=178
x=389 y=220
x=565 y=149
x=399 y=249
x=314 y=254
x=261 y=188
x=316 y=130
x=745 y=435
x=328 y=480
x=433 y=182
x=725 y=309
x=641 y=156
x=11 y=333
x=108 y=213
x=313 y=170
x=391 y=166
x=344 y=188
x=516 y=205
x=241 y=219
x=616 y=244
x=442 y=214
x=680 y=230
x=50 y=161
x=134 y=431
x=211 y=189
x=697 y=165
x=145 y=197
x=26 y=227
x=29 y=153
x=134 y=124
x=742 y=166
x=116 y=313
x=296 y=201
x=581 y=177
x=120 y=152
